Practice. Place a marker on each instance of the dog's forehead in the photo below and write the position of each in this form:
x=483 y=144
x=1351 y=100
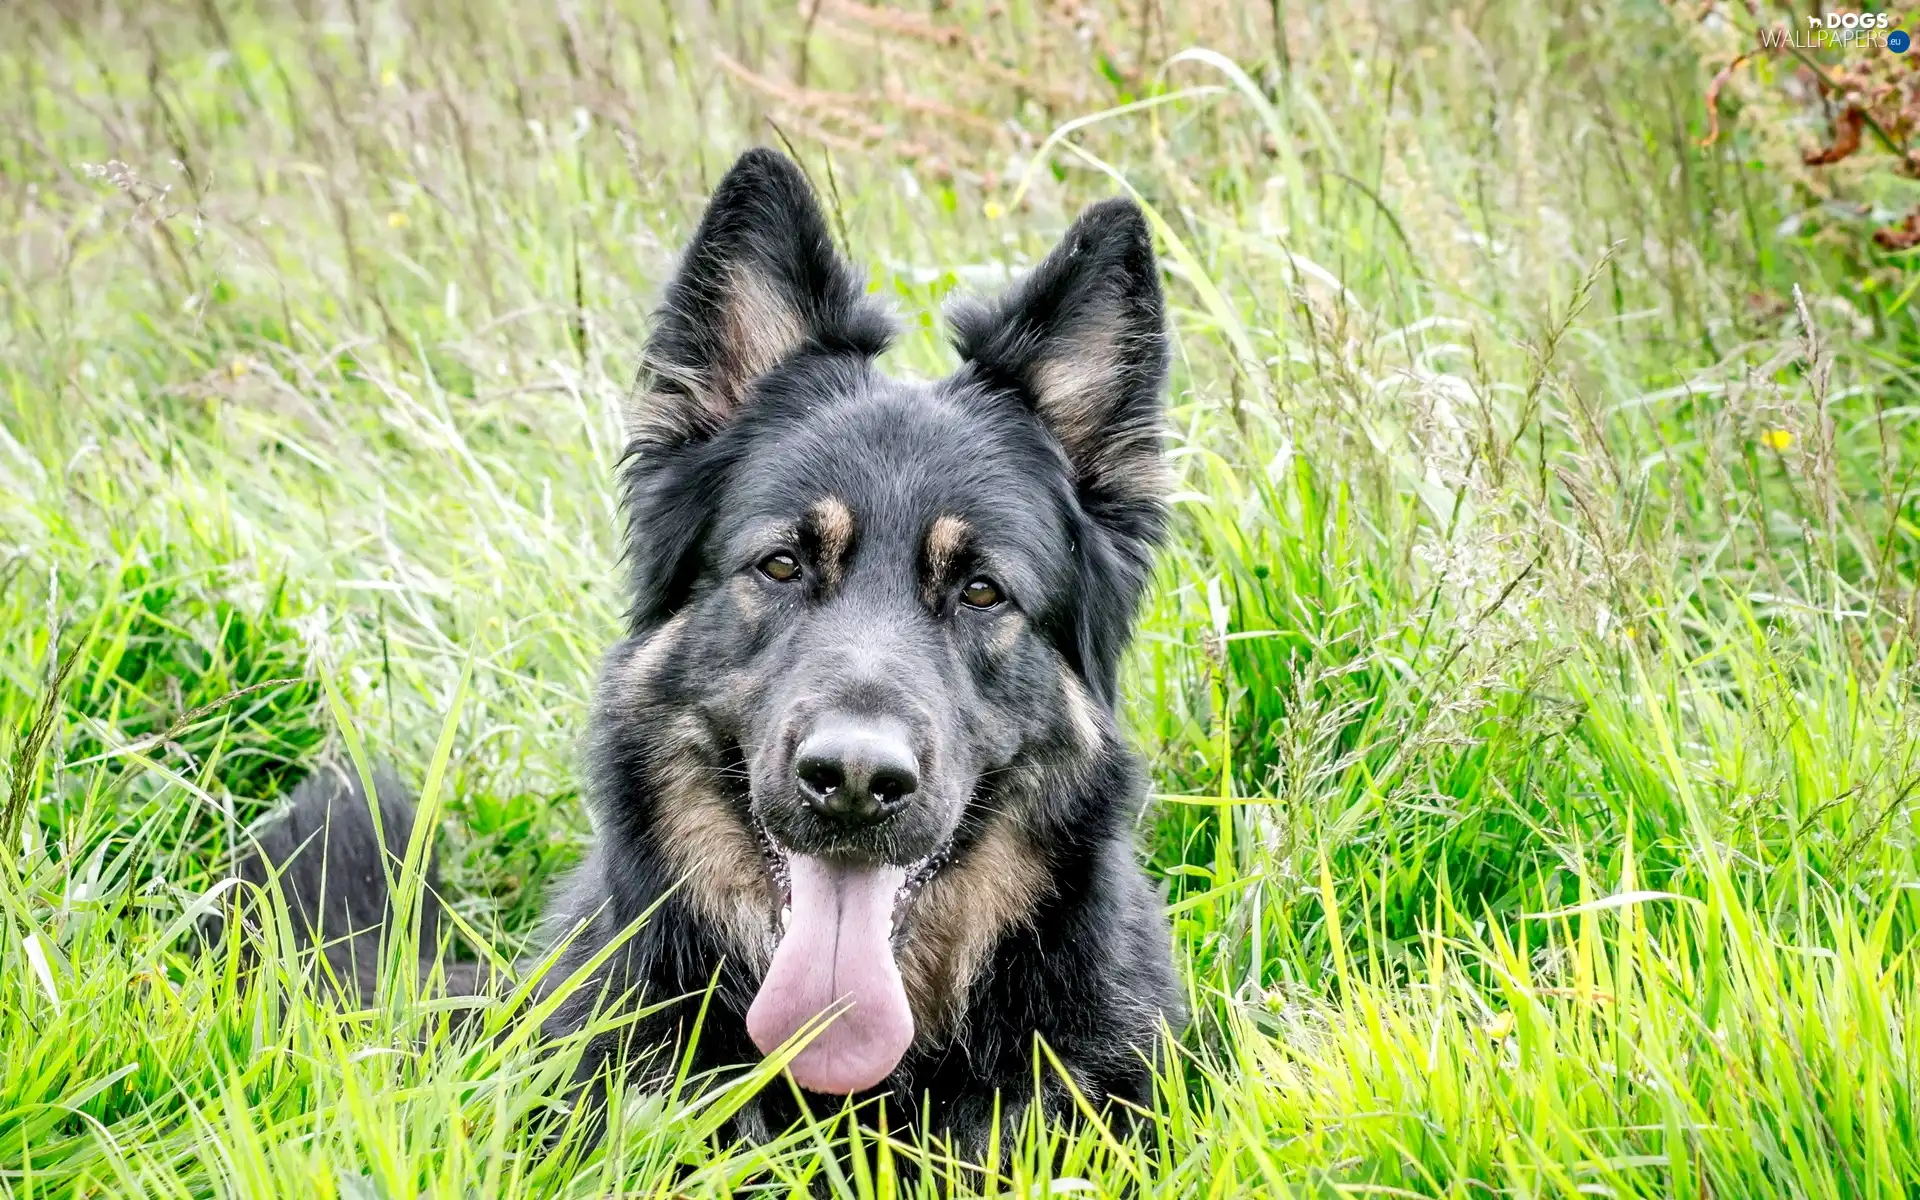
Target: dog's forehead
x=900 y=454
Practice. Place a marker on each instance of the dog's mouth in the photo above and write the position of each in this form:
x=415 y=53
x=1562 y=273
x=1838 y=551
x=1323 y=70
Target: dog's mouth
x=914 y=877
x=834 y=969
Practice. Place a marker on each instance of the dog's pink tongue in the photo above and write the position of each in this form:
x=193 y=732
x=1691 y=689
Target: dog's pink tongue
x=837 y=957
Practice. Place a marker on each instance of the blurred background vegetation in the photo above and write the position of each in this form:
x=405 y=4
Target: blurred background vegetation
x=1530 y=687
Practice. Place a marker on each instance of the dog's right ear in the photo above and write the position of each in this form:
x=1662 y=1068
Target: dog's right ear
x=760 y=281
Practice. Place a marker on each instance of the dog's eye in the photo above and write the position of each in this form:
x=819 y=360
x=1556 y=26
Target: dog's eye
x=980 y=593
x=782 y=567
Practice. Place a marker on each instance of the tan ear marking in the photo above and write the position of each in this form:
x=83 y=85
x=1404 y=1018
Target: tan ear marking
x=757 y=328
x=761 y=328
x=1075 y=389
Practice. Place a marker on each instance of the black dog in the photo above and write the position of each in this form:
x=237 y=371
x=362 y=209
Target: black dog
x=861 y=735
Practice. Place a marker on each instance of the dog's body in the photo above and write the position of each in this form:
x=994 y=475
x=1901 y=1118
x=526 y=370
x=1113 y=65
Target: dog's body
x=858 y=745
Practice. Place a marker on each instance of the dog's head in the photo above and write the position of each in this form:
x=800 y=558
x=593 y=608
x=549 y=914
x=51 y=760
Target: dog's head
x=866 y=607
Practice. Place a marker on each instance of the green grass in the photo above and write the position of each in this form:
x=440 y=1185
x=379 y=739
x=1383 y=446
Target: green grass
x=1531 y=685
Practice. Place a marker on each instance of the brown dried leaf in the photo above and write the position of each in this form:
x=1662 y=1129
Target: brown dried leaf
x=1846 y=138
x=1904 y=236
x=1713 y=98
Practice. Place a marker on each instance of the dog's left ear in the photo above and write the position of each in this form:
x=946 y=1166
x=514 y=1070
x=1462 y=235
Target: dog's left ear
x=1083 y=338
x=759 y=281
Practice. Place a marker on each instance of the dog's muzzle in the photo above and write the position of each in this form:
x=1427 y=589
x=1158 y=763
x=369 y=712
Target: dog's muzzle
x=852 y=840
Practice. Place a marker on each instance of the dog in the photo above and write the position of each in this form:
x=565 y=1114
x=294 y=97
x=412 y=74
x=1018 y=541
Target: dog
x=856 y=759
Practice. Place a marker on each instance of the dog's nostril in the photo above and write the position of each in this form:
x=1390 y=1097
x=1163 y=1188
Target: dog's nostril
x=855 y=773
x=820 y=778
x=891 y=784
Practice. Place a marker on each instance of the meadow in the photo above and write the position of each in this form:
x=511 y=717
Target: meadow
x=1530 y=686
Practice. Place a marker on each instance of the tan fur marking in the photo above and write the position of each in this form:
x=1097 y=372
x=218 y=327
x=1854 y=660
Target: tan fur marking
x=1074 y=390
x=761 y=329
x=746 y=598
x=652 y=414
x=957 y=920
x=946 y=538
x=758 y=328
x=724 y=874
x=1083 y=714
x=635 y=674
x=833 y=525
x=944 y=542
x=1008 y=634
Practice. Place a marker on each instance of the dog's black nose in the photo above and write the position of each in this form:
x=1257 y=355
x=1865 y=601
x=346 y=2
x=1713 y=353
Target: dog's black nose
x=855 y=772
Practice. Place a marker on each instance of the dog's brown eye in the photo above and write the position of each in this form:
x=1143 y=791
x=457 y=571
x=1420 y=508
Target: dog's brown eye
x=782 y=567
x=980 y=593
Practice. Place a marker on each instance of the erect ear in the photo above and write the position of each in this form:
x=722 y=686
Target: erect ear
x=1083 y=338
x=759 y=281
